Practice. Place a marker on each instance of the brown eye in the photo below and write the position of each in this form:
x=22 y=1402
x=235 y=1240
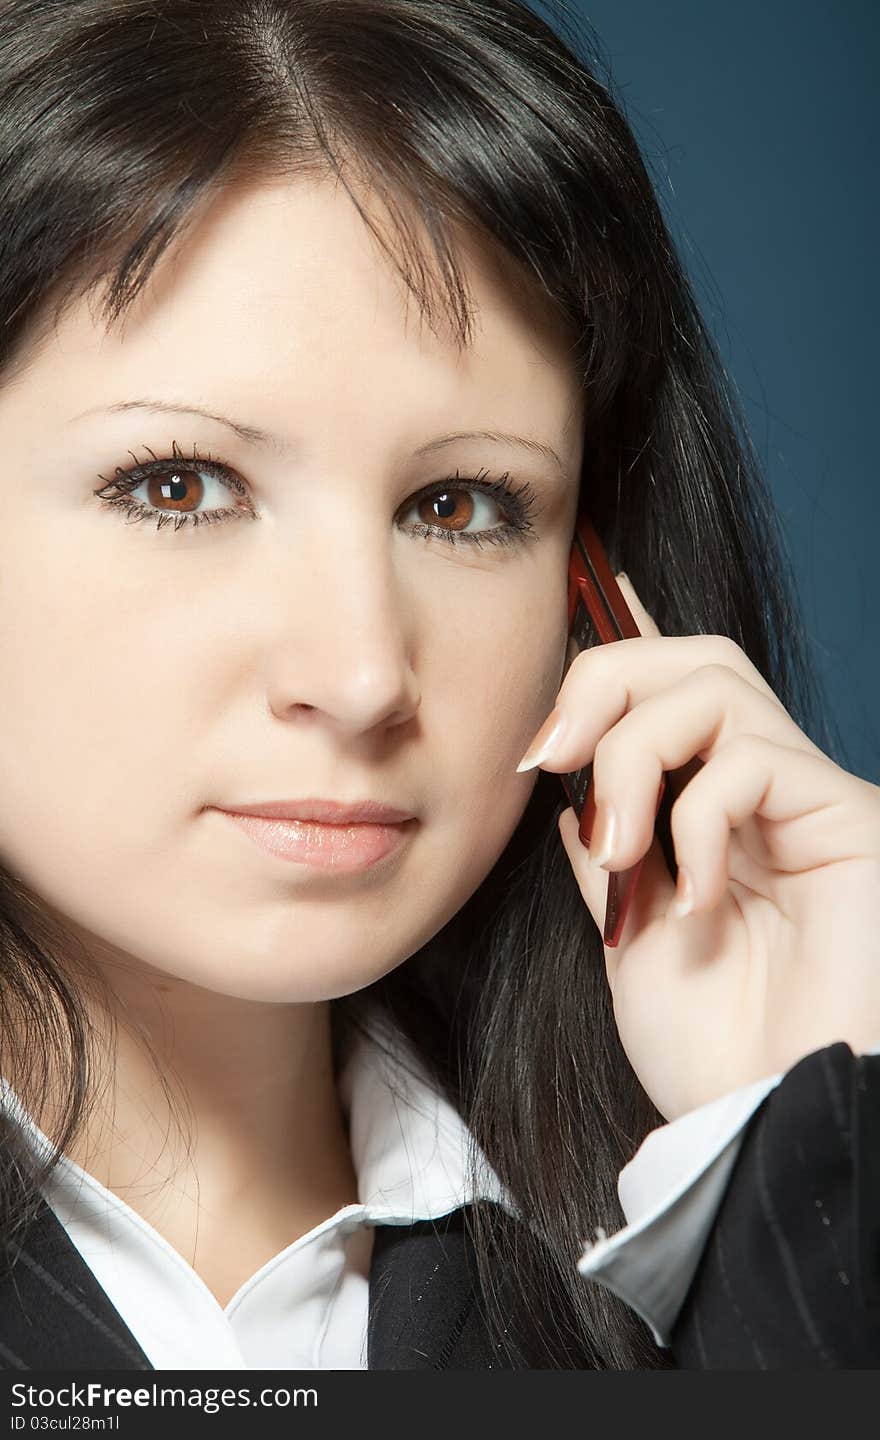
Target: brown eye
x=466 y=510
x=175 y=488
x=175 y=491
x=454 y=507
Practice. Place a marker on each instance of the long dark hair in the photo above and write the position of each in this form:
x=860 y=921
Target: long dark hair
x=118 y=120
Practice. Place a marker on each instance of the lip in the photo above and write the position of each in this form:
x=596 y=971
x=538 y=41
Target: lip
x=330 y=812
x=320 y=846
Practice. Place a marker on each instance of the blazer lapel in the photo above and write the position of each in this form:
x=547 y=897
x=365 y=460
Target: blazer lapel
x=53 y=1313
x=424 y=1312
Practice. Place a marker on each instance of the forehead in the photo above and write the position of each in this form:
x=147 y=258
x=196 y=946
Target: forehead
x=282 y=288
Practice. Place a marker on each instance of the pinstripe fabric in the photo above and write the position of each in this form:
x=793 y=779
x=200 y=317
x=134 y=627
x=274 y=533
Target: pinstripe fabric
x=53 y=1313
x=790 y=1276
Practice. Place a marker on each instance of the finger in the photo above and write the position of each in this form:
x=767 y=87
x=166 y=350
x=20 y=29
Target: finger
x=695 y=718
x=812 y=805
x=605 y=681
x=653 y=894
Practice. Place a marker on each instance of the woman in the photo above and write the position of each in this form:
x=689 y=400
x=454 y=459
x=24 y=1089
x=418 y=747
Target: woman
x=289 y=1068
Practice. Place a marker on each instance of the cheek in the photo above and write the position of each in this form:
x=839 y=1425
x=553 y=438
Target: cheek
x=93 y=733
x=488 y=706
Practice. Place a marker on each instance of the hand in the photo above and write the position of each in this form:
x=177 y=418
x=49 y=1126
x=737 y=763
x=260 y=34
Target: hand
x=780 y=953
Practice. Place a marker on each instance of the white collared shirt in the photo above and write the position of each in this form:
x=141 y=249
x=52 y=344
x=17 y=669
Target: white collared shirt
x=306 y=1308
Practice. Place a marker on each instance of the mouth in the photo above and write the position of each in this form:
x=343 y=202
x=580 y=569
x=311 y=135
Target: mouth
x=330 y=812
x=343 y=848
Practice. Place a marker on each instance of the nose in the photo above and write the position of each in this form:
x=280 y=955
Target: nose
x=346 y=650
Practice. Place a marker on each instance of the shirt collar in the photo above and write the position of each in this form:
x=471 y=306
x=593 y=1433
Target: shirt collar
x=410 y=1147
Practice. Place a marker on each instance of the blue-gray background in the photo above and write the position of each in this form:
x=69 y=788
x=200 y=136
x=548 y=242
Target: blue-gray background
x=758 y=124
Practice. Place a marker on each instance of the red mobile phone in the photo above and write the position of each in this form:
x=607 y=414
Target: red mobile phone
x=595 y=602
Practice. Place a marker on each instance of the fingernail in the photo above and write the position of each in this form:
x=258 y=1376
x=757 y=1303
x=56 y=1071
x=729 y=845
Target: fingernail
x=544 y=741
x=684 y=895
x=604 y=836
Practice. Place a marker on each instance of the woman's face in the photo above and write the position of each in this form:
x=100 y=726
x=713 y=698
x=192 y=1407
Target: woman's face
x=324 y=648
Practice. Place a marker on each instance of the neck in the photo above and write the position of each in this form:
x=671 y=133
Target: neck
x=263 y=1149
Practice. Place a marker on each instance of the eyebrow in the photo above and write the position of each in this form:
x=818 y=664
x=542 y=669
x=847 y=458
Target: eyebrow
x=254 y=436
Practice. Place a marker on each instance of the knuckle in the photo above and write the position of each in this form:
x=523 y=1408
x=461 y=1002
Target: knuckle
x=729 y=652
x=746 y=742
x=716 y=672
x=592 y=657
x=577 y=669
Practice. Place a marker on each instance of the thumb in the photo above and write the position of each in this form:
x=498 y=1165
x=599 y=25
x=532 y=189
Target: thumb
x=592 y=881
x=654 y=892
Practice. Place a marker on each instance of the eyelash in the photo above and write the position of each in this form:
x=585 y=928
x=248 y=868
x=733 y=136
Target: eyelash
x=520 y=502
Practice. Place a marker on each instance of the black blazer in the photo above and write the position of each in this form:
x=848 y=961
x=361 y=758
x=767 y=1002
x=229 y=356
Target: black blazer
x=789 y=1277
